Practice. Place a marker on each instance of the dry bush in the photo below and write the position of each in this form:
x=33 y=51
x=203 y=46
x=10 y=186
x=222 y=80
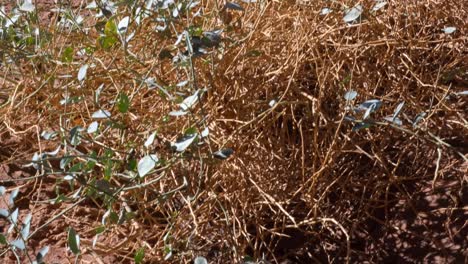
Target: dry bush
x=301 y=185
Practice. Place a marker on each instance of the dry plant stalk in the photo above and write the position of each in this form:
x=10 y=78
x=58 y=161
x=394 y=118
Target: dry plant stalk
x=301 y=186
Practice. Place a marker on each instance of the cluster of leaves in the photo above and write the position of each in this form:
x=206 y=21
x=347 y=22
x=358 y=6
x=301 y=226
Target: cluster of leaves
x=82 y=171
x=22 y=230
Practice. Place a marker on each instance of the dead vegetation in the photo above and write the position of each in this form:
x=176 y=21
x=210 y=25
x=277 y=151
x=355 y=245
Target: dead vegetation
x=301 y=186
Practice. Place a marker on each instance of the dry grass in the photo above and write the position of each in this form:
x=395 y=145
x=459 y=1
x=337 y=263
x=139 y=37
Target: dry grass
x=301 y=185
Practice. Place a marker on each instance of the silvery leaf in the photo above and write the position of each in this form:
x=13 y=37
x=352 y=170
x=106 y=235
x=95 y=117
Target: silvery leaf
x=93 y=127
x=184 y=142
x=68 y=177
x=105 y=216
x=178 y=113
x=98 y=93
x=419 y=118
x=123 y=24
x=223 y=153
x=151 y=83
x=75 y=137
x=367 y=113
x=212 y=38
x=149 y=5
x=26 y=226
x=10 y=22
x=353 y=13
x=449 y=30
x=79 y=20
x=13 y=219
x=200 y=260
x=54 y=152
x=325 y=11
x=150 y=140
x=3 y=212
x=398 y=109
x=182 y=83
x=64 y=162
x=27 y=6
x=175 y=12
x=190 y=101
x=395 y=120
x=164 y=4
x=82 y=72
x=378 y=5
x=180 y=37
x=91 y=5
x=99 y=114
x=48 y=135
x=129 y=37
x=35 y=160
x=350 y=95
x=233 y=6
x=161 y=28
x=13 y=195
x=19 y=244
x=77 y=193
x=272 y=103
x=205 y=132
x=146 y=164
x=374 y=104
x=192 y=5
x=41 y=254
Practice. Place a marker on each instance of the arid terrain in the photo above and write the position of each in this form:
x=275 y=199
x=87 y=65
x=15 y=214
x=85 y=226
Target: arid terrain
x=236 y=132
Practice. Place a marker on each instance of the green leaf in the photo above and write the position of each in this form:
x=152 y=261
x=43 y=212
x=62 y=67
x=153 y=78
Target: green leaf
x=195 y=31
x=123 y=103
x=91 y=161
x=139 y=255
x=67 y=54
x=3 y=239
x=132 y=164
x=60 y=198
x=74 y=241
x=108 y=153
x=114 y=217
x=253 y=53
x=346 y=80
x=248 y=258
x=108 y=171
x=89 y=50
x=100 y=229
x=110 y=28
x=77 y=167
x=190 y=131
x=106 y=42
x=129 y=216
